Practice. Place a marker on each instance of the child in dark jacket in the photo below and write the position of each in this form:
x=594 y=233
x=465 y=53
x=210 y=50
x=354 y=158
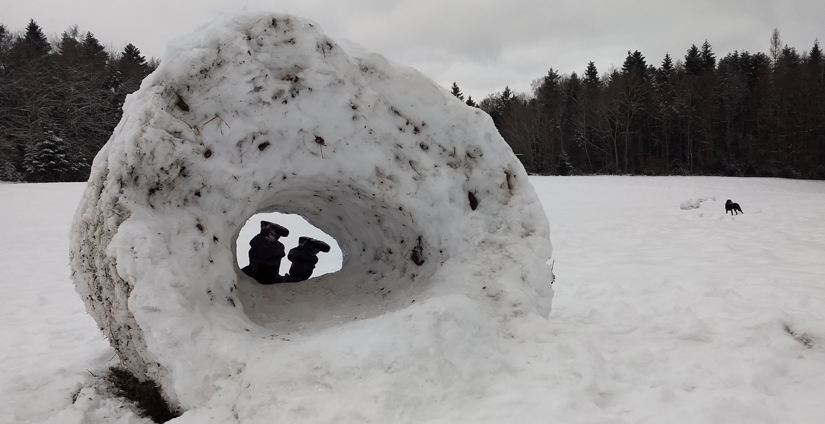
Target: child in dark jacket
x=304 y=256
x=265 y=254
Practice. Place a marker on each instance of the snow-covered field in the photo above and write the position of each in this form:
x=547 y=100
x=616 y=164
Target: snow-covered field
x=661 y=314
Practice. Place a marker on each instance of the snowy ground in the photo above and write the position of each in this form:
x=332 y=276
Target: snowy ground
x=661 y=314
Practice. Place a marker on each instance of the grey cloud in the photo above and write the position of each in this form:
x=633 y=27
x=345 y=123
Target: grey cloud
x=481 y=44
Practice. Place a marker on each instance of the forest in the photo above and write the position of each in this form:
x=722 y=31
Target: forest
x=60 y=100
x=746 y=114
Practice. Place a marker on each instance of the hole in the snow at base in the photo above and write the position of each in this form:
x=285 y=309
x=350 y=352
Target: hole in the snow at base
x=291 y=240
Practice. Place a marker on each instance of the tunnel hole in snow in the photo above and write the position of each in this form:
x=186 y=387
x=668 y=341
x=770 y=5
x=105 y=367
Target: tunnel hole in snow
x=380 y=257
x=298 y=227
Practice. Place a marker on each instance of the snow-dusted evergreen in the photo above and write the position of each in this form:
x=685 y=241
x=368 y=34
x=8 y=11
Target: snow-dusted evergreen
x=50 y=160
x=8 y=172
x=446 y=246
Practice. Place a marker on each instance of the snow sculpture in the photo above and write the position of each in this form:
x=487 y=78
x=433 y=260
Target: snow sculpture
x=263 y=112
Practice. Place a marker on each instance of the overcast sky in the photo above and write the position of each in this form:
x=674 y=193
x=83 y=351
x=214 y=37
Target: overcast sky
x=482 y=45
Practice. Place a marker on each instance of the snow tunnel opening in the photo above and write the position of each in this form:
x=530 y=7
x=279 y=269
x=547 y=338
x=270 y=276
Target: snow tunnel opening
x=328 y=262
x=387 y=256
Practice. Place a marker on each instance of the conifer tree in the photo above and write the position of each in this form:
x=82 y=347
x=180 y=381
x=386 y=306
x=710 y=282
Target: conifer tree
x=496 y=105
x=49 y=160
x=5 y=43
x=635 y=64
x=8 y=172
x=790 y=57
x=586 y=135
x=563 y=165
x=69 y=48
x=815 y=56
x=815 y=65
x=470 y=102
x=505 y=99
x=665 y=92
x=5 y=47
x=93 y=51
x=707 y=56
x=549 y=89
x=456 y=91
x=666 y=70
x=35 y=43
x=131 y=54
x=591 y=75
x=506 y=95
x=129 y=70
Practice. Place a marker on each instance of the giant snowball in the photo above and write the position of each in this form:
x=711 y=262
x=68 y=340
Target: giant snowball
x=445 y=243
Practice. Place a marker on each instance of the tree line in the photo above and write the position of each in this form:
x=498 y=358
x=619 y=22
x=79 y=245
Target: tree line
x=60 y=100
x=746 y=114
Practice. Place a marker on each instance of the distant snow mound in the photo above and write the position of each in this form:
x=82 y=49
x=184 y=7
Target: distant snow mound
x=445 y=242
x=691 y=204
x=695 y=203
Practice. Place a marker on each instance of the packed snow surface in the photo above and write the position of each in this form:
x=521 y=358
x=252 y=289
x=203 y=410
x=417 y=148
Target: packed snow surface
x=446 y=248
x=660 y=315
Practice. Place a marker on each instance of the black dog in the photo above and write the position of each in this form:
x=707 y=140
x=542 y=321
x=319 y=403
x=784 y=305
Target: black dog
x=732 y=207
